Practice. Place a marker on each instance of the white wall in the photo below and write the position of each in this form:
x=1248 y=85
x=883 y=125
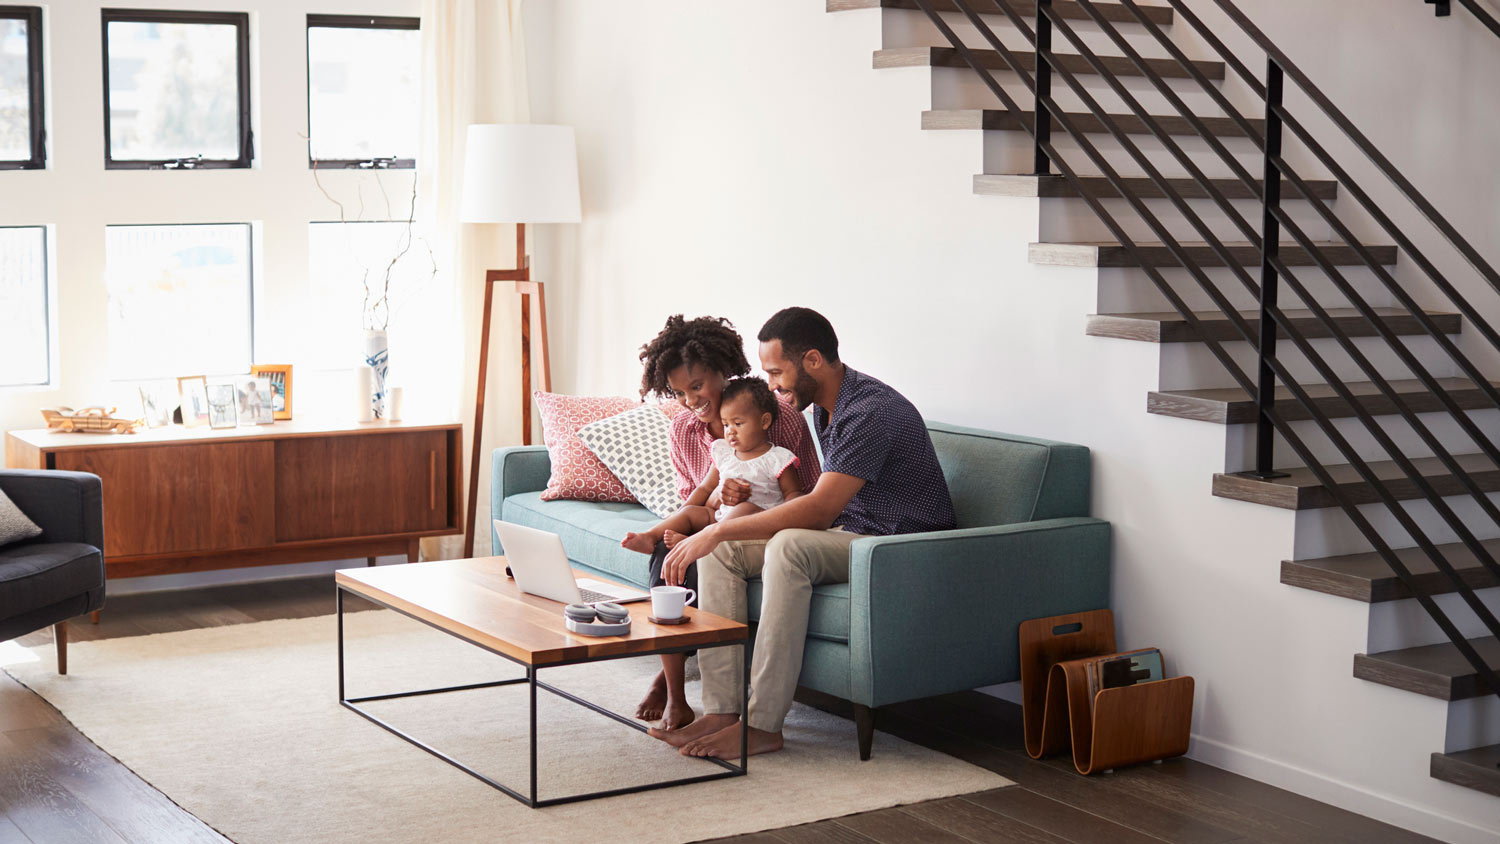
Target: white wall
x=734 y=163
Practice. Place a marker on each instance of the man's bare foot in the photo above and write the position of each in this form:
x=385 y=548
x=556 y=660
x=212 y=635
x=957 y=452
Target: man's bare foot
x=652 y=705
x=677 y=716
x=670 y=538
x=645 y=543
x=725 y=744
x=705 y=726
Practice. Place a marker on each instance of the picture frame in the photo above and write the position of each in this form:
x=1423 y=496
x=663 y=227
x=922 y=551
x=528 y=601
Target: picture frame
x=192 y=392
x=280 y=376
x=157 y=404
x=223 y=402
x=253 y=400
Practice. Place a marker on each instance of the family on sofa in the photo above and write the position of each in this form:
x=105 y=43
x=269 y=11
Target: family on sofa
x=898 y=567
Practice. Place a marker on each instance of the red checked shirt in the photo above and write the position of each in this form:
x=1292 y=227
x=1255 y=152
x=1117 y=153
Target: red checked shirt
x=692 y=442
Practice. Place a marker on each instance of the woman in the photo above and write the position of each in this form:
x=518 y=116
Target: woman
x=691 y=360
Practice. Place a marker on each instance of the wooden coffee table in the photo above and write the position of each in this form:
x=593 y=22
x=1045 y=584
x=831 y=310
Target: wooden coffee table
x=474 y=601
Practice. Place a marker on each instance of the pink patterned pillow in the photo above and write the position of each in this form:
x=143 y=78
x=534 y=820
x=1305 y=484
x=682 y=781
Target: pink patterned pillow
x=576 y=472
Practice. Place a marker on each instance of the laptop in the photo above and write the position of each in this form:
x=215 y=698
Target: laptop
x=541 y=568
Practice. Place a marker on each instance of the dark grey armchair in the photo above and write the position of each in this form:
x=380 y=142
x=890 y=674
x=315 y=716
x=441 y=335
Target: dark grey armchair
x=60 y=574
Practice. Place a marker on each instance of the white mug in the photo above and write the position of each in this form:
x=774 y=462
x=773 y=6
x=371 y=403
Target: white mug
x=667 y=602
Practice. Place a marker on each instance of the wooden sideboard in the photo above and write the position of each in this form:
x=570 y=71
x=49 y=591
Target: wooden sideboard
x=182 y=500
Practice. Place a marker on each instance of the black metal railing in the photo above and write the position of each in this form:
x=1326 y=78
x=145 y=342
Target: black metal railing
x=1444 y=8
x=1271 y=322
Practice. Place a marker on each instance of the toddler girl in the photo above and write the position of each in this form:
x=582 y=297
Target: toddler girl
x=748 y=408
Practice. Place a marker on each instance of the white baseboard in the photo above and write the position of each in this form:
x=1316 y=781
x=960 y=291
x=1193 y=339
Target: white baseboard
x=1382 y=807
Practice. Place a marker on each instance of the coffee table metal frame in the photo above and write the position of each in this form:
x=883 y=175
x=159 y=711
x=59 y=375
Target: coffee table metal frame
x=530 y=799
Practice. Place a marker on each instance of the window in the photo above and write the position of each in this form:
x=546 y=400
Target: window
x=344 y=259
x=25 y=321
x=176 y=89
x=179 y=300
x=363 y=96
x=22 y=133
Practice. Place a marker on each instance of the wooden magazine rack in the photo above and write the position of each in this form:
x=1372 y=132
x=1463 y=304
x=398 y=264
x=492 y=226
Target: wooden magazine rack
x=1125 y=725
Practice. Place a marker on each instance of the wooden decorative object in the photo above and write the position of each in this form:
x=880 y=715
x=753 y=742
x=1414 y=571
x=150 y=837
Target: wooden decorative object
x=90 y=420
x=1124 y=726
x=521 y=275
x=177 y=500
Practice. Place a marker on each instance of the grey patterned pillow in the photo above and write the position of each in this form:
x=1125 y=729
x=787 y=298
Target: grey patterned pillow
x=14 y=526
x=636 y=447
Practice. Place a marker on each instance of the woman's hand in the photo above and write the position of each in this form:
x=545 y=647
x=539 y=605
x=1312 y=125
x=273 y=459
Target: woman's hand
x=735 y=492
x=687 y=551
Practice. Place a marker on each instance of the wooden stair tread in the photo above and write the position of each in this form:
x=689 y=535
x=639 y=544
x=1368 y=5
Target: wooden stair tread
x=1438 y=671
x=1108 y=254
x=1073 y=63
x=1366 y=576
x=994 y=184
x=1478 y=768
x=993 y=118
x=1170 y=327
x=1233 y=406
x=1301 y=491
x=1113 y=12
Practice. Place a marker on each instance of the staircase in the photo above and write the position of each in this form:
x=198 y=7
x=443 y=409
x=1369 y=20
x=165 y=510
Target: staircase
x=1352 y=405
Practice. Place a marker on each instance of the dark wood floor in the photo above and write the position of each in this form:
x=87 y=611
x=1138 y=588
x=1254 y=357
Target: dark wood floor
x=56 y=786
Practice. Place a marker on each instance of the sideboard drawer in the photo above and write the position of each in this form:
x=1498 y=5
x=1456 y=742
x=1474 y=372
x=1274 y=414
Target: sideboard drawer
x=361 y=486
x=181 y=498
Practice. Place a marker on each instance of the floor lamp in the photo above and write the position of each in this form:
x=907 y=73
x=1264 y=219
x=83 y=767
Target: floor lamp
x=515 y=173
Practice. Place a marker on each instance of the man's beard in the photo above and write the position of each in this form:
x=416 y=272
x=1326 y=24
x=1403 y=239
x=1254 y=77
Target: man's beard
x=805 y=390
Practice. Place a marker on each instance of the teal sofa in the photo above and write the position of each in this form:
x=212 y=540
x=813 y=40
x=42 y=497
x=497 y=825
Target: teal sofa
x=922 y=614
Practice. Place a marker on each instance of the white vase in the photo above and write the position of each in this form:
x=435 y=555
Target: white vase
x=378 y=358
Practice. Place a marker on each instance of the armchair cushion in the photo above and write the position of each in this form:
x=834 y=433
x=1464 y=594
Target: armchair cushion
x=14 y=526
x=40 y=574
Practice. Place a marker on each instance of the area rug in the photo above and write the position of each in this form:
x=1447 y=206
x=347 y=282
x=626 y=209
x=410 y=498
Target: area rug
x=240 y=725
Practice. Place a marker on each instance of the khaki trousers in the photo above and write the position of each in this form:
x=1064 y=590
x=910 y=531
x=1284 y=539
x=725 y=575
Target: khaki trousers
x=789 y=565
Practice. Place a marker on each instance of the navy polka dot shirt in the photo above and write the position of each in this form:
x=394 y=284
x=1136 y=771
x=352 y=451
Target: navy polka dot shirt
x=877 y=435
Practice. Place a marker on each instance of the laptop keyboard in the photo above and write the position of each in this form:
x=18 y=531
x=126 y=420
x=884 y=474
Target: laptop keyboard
x=592 y=597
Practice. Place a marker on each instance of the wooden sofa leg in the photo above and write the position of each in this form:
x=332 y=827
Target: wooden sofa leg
x=60 y=636
x=864 y=722
x=94 y=617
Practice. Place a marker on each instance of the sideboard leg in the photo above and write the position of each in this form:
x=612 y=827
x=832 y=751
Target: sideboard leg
x=369 y=561
x=413 y=550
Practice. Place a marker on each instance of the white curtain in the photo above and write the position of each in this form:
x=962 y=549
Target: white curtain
x=473 y=71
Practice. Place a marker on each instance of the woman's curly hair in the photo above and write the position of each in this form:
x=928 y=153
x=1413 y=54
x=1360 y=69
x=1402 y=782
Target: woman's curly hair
x=710 y=342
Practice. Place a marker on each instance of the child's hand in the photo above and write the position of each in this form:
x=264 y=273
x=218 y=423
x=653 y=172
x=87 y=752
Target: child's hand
x=672 y=537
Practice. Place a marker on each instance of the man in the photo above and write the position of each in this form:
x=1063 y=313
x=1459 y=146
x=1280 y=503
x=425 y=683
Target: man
x=880 y=477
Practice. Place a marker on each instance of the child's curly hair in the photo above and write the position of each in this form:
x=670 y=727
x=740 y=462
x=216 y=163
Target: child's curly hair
x=758 y=391
x=711 y=342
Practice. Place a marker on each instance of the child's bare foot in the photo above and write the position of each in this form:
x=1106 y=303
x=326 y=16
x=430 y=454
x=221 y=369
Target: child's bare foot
x=642 y=542
x=651 y=705
x=671 y=537
x=677 y=716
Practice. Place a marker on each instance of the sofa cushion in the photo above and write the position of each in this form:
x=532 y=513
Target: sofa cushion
x=636 y=446
x=14 y=526
x=43 y=573
x=829 y=617
x=591 y=531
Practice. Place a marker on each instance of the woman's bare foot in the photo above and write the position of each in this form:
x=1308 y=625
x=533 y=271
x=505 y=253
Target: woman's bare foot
x=677 y=716
x=725 y=743
x=645 y=543
x=652 y=705
x=705 y=726
x=670 y=538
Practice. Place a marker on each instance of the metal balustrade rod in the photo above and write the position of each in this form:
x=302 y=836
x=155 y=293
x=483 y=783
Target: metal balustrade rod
x=1270 y=246
x=1043 y=134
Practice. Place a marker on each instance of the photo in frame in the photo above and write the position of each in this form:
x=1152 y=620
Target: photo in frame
x=157 y=404
x=254 y=400
x=192 y=392
x=280 y=377
x=222 y=401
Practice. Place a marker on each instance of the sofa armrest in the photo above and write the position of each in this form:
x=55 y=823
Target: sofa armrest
x=522 y=468
x=67 y=506
x=932 y=613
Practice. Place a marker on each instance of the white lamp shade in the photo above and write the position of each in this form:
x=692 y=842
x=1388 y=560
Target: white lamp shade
x=520 y=173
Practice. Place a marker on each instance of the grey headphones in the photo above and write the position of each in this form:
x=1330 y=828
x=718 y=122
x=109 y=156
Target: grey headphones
x=606 y=613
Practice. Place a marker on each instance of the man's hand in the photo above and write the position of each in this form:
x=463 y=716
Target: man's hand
x=736 y=492
x=688 y=551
